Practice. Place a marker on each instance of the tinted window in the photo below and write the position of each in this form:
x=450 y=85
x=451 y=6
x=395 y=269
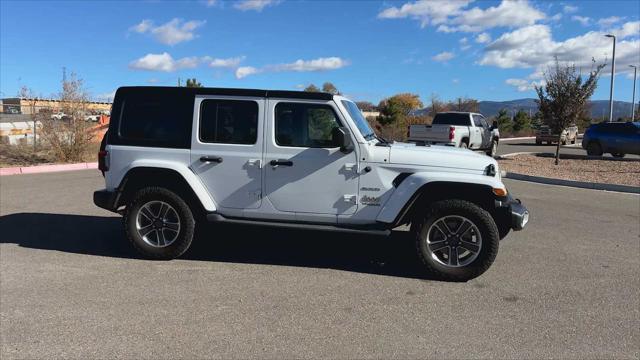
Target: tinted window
x=451 y=119
x=305 y=125
x=477 y=120
x=155 y=119
x=229 y=121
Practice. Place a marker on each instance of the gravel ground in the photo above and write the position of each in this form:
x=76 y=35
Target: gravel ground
x=591 y=170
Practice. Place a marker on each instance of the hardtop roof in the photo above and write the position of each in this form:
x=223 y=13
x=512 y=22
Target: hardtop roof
x=178 y=91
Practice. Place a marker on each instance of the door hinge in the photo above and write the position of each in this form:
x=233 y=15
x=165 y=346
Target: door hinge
x=350 y=167
x=255 y=162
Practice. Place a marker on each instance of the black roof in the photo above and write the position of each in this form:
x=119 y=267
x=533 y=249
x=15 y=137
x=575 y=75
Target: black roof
x=181 y=91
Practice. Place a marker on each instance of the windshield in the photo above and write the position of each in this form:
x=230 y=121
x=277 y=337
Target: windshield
x=358 y=118
x=451 y=119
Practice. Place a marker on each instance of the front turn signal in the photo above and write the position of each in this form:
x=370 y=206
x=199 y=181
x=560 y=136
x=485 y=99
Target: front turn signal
x=500 y=192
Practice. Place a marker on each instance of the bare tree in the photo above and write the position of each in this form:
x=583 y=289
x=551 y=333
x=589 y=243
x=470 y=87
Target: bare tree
x=564 y=99
x=70 y=136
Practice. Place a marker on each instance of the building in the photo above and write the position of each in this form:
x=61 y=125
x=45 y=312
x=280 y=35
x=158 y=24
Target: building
x=28 y=106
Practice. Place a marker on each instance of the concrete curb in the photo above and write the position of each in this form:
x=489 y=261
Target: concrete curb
x=47 y=168
x=572 y=183
x=518 y=138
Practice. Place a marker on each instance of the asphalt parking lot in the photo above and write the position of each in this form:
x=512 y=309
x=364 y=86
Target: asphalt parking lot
x=70 y=286
x=529 y=145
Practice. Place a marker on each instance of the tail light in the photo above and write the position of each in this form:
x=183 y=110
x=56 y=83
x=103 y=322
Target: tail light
x=452 y=133
x=103 y=161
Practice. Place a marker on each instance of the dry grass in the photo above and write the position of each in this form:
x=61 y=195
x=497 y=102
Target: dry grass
x=600 y=170
x=23 y=155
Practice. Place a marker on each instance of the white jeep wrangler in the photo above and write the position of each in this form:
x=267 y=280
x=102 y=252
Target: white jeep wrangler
x=176 y=156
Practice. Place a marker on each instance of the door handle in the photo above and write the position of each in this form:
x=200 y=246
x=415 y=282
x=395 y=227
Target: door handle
x=281 y=162
x=208 y=159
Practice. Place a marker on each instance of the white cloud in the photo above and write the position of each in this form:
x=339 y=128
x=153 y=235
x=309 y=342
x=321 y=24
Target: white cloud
x=464 y=44
x=569 y=9
x=255 y=5
x=245 y=71
x=443 y=56
x=583 y=20
x=610 y=21
x=163 y=62
x=454 y=16
x=426 y=11
x=455 y=81
x=483 y=38
x=211 y=3
x=171 y=33
x=533 y=47
x=143 y=27
x=557 y=17
x=320 y=64
x=233 y=62
x=524 y=85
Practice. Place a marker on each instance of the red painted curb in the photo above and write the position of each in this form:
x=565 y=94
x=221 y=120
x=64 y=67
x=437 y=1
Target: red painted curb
x=47 y=168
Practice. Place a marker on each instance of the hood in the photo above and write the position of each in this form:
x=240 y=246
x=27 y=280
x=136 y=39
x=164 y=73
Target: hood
x=440 y=156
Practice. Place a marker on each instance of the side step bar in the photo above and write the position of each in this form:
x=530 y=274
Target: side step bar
x=217 y=218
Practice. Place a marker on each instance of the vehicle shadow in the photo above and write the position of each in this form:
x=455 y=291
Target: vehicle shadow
x=104 y=236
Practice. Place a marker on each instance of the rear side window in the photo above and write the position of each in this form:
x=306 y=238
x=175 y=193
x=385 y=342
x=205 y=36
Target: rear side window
x=229 y=121
x=451 y=119
x=155 y=118
x=305 y=125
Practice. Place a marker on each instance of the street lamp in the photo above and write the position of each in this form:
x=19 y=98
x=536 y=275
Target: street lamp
x=613 y=72
x=633 y=101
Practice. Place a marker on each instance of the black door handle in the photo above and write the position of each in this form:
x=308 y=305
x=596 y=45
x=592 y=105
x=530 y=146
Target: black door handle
x=281 y=162
x=216 y=159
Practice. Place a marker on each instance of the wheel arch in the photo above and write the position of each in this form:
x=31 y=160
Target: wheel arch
x=188 y=187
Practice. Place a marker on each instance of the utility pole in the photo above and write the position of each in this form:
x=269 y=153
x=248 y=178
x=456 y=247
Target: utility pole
x=633 y=101
x=613 y=74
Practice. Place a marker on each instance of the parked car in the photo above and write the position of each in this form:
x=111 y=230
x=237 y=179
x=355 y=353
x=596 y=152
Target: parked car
x=59 y=116
x=617 y=138
x=92 y=118
x=176 y=156
x=544 y=135
x=459 y=129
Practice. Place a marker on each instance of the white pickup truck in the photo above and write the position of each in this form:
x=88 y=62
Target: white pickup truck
x=459 y=129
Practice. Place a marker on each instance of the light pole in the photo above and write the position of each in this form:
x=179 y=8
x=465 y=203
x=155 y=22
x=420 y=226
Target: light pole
x=633 y=101
x=613 y=72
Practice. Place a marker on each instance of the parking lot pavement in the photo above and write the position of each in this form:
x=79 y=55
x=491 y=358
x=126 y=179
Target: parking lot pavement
x=70 y=286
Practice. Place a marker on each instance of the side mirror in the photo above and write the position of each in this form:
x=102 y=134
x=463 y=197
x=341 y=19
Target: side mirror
x=342 y=139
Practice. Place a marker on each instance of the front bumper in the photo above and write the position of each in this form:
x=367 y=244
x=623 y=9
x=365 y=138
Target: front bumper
x=106 y=199
x=518 y=213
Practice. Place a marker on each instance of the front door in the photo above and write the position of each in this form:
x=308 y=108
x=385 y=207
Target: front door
x=226 y=149
x=304 y=171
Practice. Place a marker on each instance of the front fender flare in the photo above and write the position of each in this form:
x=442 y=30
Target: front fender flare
x=413 y=183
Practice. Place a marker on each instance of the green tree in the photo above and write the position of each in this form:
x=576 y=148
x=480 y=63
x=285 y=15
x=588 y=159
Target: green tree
x=504 y=121
x=311 y=88
x=330 y=88
x=395 y=109
x=564 y=99
x=521 y=121
x=193 y=83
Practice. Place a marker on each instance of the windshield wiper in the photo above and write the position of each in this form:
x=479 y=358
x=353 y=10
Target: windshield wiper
x=382 y=141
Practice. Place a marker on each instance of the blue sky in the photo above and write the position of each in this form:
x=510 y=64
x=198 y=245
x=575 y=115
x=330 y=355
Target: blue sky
x=488 y=50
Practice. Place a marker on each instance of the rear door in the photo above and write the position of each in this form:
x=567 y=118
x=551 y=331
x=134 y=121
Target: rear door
x=226 y=149
x=304 y=171
x=476 y=138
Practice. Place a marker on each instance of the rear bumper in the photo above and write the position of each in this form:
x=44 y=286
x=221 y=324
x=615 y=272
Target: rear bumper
x=106 y=199
x=517 y=213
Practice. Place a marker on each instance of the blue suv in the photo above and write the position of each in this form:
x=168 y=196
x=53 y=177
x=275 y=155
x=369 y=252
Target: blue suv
x=617 y=138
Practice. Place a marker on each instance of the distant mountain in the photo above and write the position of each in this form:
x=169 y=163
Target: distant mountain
x=598 y=108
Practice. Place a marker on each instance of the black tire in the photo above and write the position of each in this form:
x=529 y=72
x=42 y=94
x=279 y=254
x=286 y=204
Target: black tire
x=594 y=149
x=617 y=155
x=479 y=217
x=493 y=149
x=538 y=142
x=563 y=142
x=574 y=140
x=464 y=145
x=185 y=233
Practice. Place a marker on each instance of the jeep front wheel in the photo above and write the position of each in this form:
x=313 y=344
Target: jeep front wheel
x=456 y=240
x=159 y=224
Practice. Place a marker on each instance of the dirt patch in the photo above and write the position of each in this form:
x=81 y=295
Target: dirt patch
x=598 y=170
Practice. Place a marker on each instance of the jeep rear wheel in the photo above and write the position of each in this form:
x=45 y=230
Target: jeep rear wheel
x=456 y=240
x=159 y=224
